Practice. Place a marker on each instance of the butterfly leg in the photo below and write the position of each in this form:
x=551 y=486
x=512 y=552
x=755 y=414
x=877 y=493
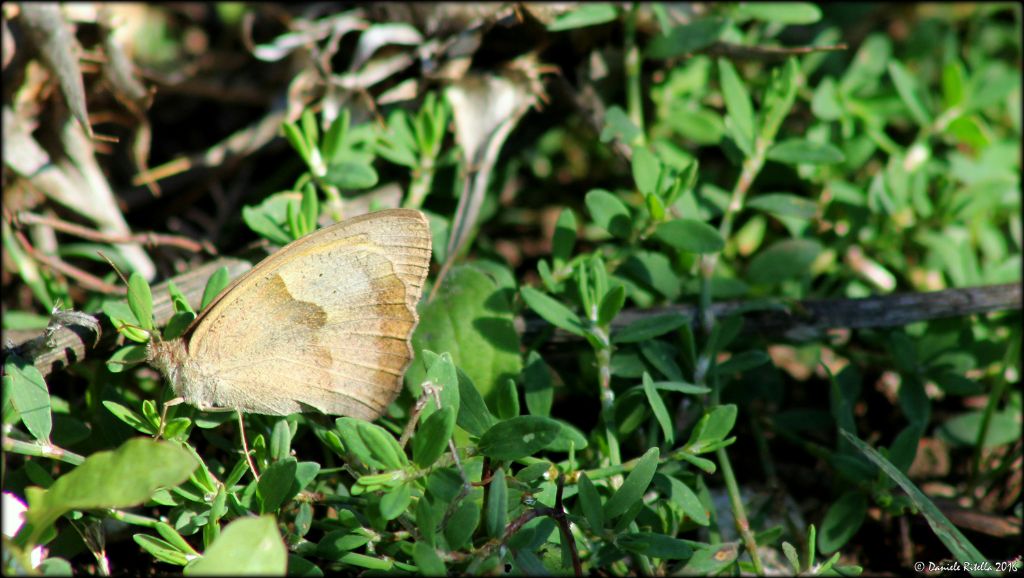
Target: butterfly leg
x=241 y=432
x=245 y=447
x=163 y=414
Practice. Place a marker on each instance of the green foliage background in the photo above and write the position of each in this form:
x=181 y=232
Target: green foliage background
x=892 y=166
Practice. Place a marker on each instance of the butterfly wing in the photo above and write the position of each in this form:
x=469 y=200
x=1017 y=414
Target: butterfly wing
x=324 y=323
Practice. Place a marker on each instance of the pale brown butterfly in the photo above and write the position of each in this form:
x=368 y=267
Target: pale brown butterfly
x=324 y=324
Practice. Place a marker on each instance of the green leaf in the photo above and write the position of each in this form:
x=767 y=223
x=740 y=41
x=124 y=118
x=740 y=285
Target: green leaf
x=335 y=135
x=799 y=151
x=737 y=105
x=177 y=325
x=310 y=208
x=618 y=125
x=462 y=524
x=781 y=12
x=246 y=546
x=568 y=439
x=685 y=39
x=690 y=235
x=712 y=429
x=427 y=561
x=680 y=494
x=649 y=327
x=906 y=86
x=954 y=81
x=474 y=416
x=537 y=385
x=783 y=260
x=825 y=103
x=130 y=417
x=867 y=65
x=351 y=175
x=426 y=521
x=335 y=544
x=310 y=130
x=382 y=445
x=432 y=438
x=217 y=282
x=711 y=560
x=583 y=15
x=275 y=483
x=507 y=400
x=348 y=432
x=654 y=545
x=779 y=98
x=127 y=476
x=518 y=437
x=609 y=212
x=633 y=489
x=174 y=539
x=140 y=300
x=280 y=440
x=963 y=430
x=294 y=136
x=590 y=503
x=611 y=304
x=126 y=357
x=564 y=238
x=552 y=311
x=784 y=204
x=471 y=318
x=654 y=270
x=956 y=542
x=395 y=501
x=162 y=550
x=268 y=218
x=655 y=206
x=497 y=504
x=646 y=170
x=791 y=556
x=441 y=375
x=842 y=520
x=659 y=409
x=30 y=396
x=743 y=361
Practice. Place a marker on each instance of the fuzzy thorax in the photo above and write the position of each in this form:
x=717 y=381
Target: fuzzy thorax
x=173 y=361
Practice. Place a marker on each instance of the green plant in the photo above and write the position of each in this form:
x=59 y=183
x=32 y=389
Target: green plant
x=751 y=165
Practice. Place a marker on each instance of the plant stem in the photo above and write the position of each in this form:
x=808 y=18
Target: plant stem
x=632 y=65
x=738 y=511
x=422 y=178
x=41 y=450
x=751 y=168
x=603 y=355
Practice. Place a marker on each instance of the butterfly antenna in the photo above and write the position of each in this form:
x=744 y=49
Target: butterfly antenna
x=114 y=267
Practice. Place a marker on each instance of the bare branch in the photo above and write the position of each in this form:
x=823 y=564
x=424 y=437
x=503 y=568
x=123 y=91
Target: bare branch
x=148 y=239
x=795 y=319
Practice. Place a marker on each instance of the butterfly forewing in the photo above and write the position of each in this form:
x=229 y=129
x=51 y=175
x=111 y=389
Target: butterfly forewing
x=324 y=324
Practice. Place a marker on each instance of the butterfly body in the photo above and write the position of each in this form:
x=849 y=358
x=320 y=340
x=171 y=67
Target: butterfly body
x=322 y=325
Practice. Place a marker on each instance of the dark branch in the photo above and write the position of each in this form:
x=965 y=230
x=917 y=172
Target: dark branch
x=796 y=319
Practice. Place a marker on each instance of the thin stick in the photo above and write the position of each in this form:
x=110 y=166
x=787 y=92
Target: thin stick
x=815 y=316
x=87 y=280
x=149 y=239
